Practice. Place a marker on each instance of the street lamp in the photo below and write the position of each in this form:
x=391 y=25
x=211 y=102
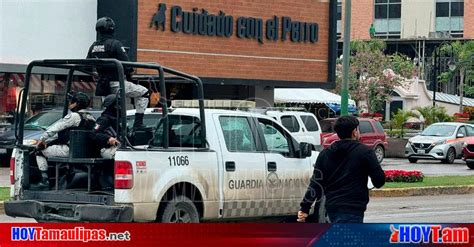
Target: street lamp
x=452 y=65
x=437 y=66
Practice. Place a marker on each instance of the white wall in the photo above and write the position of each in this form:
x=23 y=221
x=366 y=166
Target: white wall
x=40 y=29
x=417 y=18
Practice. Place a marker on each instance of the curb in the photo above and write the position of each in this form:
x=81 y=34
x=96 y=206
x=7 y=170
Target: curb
x=423 y=191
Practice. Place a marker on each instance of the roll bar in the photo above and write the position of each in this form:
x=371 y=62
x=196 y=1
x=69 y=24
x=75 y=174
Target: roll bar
x=85 y=65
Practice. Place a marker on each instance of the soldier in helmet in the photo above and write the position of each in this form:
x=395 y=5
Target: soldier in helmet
x=55 y=140
x=105 y=132
x=107 y=46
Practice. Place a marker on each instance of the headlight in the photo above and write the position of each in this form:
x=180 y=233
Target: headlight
x=464 y=145
x=439 y=143
x=30 y=142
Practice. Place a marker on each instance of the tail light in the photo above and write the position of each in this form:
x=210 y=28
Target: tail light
x=12 y=170
x=123 y=175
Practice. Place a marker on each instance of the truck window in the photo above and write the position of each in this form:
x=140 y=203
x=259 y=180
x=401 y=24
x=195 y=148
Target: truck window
x=237 y=134
x=274 y=138
x=184 y=131
x=290 y=123
x=365 y=127
x=149 y=120
x=310 y=123
x=379 y=127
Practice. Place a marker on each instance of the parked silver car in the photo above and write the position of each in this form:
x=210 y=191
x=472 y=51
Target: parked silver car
x=440 y=141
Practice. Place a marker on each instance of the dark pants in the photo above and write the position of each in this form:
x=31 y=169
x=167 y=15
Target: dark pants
x=343 y=217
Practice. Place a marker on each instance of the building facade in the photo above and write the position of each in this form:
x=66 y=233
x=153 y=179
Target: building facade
x=409 y=19
x=241 y=50
x=414 y=28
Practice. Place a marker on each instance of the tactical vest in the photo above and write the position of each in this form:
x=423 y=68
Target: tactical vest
x=85 y=124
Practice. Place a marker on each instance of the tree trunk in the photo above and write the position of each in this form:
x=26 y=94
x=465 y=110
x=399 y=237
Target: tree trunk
x=461 y=90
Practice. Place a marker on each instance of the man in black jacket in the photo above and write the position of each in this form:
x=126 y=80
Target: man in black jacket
x=105 y=132
x=341 y=174
x=107 y=46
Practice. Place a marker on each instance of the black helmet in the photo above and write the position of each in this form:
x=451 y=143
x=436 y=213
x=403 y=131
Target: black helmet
x=105 y=25
x=81 y=99
x=109 y=100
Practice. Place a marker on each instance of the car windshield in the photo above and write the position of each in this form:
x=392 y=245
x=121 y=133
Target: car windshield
x=42 y=120
x=439 y=130
x=327 y=126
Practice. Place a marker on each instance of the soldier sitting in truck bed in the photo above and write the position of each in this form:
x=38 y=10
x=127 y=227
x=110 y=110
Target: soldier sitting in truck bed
x=104 y=135
x=55 y=140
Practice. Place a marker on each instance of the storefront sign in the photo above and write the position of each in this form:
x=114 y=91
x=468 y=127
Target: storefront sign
x=201 y=22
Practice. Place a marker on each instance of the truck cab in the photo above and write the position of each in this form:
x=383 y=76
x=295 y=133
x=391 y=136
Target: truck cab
x=196 y=165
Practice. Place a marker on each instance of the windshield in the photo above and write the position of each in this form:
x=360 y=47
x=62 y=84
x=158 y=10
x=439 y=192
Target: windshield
x=439 y=130
x=42 y=120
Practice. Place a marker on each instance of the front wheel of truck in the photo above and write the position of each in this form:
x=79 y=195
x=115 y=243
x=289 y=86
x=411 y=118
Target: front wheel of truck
x=180 y=209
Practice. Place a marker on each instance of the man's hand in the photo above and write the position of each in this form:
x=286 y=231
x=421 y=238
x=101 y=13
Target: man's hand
x=302 y=217
x=41 y=145
x=95 y=76
x=113 y=141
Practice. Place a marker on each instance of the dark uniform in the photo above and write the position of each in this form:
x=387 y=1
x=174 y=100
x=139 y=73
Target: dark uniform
x=108 y=47
x=105 y=128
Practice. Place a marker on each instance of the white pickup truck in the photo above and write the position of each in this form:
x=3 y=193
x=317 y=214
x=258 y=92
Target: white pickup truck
x=211 y=165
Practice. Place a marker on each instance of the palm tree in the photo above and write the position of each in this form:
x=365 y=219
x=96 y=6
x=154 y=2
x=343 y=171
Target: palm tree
x=434 y=114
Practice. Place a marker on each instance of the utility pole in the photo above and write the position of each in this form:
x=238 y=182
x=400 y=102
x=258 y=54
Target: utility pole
x=345 y=59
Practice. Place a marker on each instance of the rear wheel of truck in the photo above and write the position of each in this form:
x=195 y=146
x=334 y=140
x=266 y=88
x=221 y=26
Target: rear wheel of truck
x=180 y=209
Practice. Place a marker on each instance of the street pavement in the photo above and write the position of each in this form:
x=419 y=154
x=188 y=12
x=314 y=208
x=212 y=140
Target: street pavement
x=429 y=167
x=421 y=209
x=7 y=219
x=413 y=209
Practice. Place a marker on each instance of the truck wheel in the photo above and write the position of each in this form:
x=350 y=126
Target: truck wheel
x=179 y=210
x=379 y=153
x=412 y=160
x=470 y=165
x=450 y=156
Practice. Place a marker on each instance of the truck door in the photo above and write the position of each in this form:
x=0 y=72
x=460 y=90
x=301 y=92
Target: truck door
x=287 y=177
x=244 y=167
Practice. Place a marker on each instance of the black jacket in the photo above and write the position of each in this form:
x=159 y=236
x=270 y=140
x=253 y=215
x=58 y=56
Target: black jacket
x=108 y=47
x=105 y=128
x=341 y=174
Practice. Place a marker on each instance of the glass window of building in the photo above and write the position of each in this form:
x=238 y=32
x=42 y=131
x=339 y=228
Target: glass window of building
x=339 y=18
x=387 y=14
x=450 y=17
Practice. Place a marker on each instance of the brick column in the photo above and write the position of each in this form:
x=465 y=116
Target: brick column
x=362 y=16
x=468 y=19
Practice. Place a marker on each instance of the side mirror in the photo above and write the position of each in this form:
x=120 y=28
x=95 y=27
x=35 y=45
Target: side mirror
x=305 y=149
x=460 y=136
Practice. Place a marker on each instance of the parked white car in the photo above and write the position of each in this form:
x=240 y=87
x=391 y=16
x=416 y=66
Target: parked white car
x=440 y=141
x=304 y=126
